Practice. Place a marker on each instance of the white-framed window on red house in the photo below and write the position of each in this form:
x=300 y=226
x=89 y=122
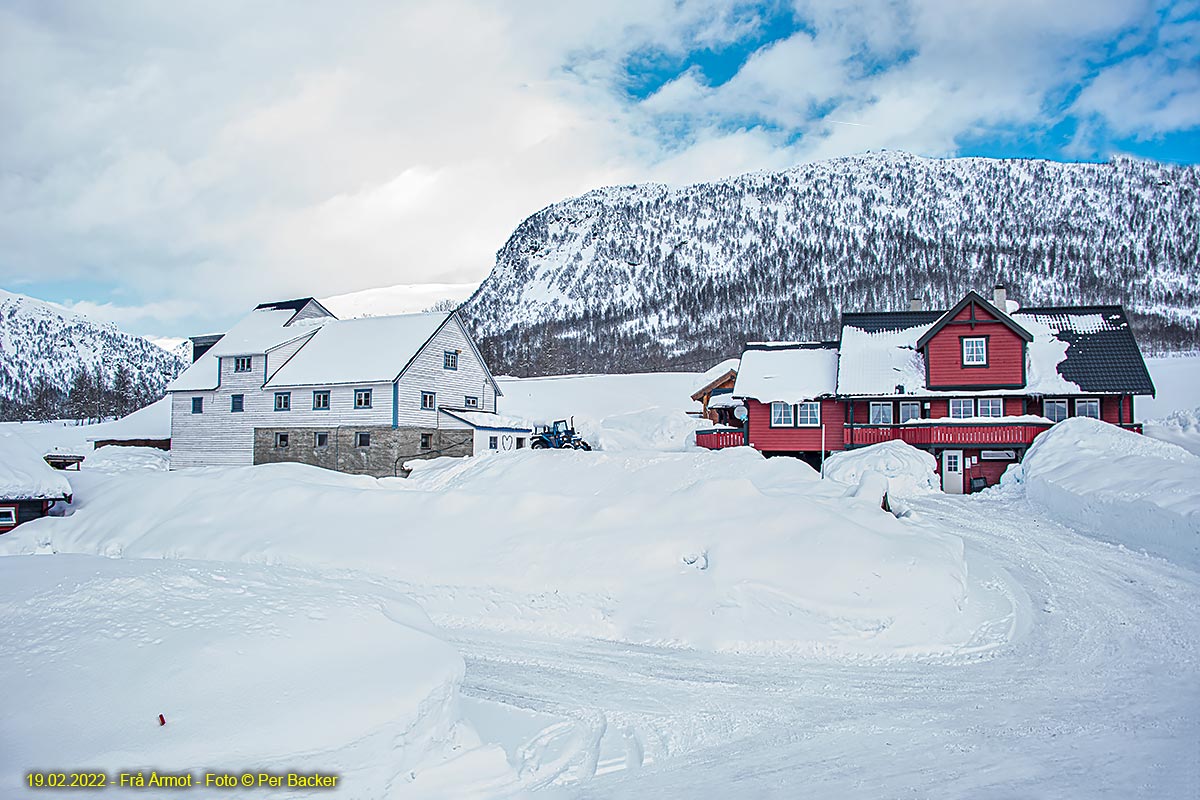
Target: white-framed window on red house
x=990 y=407
x=781 y=415
x=1054 y=410
x=909 y=410
x=808 y=415
x=8 y=516
x=1087 y=407
x=881 y=414
x=962 y=408
x=974 y=351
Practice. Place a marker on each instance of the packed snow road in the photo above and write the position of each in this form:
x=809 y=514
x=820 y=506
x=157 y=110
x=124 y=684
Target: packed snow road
x=1098 y=698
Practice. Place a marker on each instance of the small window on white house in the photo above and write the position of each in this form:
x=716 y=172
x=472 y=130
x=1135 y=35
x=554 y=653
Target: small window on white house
x=962 y=408
x=362 y=439
x=781 y=415
x=881 y=413
x=909 y=410
x=450 y=359
x=321 y=439
x=283 y=401
x=426 y=441
x=8 y=516
x=281 y=440
x=808 y=414
x=974 y=351
x=471 y=402
x=243 y=364
x=197 y=405
x=362 y=398
x=990 y=407
x=520 y=442
x=320 y=401
x=1087 y=408
x=428 y=401
x=493 y=443
x=1054 y=410
x=237 y=403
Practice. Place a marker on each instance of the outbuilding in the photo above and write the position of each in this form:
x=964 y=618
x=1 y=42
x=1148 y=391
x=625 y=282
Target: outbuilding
x=29 y=487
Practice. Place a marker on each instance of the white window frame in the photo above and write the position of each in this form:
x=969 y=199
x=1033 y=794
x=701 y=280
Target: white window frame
x=243 y=364
x=979 y=406
x=891 y=420
x=432 y=404
x=450 y=359
x=326 y=395
x=283 y=401
x=813 y=406
x=470 y=401
x=8 y=516
x=970 y=401
x=358 y=396
x=979 y=359
x=782 y=416
x=282 y=440
x=426 y=441
x=1089 y=400
x=317 y=439
x=910 y=404
x=1060 y=403
x=493 y=443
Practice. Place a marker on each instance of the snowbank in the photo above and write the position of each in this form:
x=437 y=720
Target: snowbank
x=1181 y=428
x=908 y=470
x=722 y=550
x=252 y=668
x=1119 y=486
x=25 y=475
x=150 y=422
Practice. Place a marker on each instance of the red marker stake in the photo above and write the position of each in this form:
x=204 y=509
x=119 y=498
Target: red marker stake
x=162 y=720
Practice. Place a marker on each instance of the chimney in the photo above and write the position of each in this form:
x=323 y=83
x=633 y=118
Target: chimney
x=1000 y=297
x=916 y=304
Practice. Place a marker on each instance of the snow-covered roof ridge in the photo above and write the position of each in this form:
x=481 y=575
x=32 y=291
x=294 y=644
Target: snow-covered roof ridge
x=486 y=420
x=787 y=372
x=354 y=351
x=25 y=475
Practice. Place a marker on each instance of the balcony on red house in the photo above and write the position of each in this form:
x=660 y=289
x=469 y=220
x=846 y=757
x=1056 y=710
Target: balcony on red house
x=944 y=431
x=719 y=438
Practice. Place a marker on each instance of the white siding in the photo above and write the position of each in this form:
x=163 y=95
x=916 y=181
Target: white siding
x=427 y=374
x=279 y=356
x=310 y=311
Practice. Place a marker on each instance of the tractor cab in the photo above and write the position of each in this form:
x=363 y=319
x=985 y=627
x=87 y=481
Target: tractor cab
x=561 y=435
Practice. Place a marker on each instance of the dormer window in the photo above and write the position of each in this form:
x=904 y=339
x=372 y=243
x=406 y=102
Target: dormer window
x=974 y=351
x=242 y=364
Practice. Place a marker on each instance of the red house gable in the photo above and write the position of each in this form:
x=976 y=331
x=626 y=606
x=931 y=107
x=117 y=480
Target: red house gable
x=974 y=346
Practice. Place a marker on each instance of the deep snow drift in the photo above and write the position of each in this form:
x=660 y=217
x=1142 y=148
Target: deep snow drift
x=1117 y=485
x=722 y=550
x=908 y=470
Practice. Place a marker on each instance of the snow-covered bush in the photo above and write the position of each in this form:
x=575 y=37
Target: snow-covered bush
x=908 y=470
x=1118 y=486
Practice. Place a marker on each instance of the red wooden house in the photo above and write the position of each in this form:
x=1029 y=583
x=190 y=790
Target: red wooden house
x=973 y=384
x=29 y=487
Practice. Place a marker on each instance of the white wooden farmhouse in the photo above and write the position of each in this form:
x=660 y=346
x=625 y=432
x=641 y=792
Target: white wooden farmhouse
x=291 y=382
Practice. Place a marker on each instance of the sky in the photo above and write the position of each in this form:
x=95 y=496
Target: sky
x=167 y=166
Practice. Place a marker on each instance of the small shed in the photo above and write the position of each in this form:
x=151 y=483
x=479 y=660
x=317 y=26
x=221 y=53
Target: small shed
x=493 y=433
x=29 y=486
x=716 y=395
x=147 y=427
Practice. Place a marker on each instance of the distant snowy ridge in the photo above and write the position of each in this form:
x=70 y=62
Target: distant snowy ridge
x=645 y=277
x=43 y=346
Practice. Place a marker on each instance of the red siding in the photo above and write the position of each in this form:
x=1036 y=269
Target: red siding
x=791 y=440
x=938 y=409
x=1006 y=354
x=1109 y=409
x=1013 y=407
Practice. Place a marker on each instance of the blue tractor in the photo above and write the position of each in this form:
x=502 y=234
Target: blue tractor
x=559 y=436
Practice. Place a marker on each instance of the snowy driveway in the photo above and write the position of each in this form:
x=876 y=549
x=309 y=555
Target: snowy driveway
x=1100 y=697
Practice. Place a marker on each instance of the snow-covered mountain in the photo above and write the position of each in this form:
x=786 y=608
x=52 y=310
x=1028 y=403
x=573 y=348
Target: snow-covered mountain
x=645 y=277
x=43 y=347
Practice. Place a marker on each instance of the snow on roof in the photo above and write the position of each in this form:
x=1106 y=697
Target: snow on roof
x=875 y=363
x=487 y=420
x=788 y=373
x=150 y=422
x=257 y=332
x=1043 y=357
x=714 y=375
x=25 y=475
x=364 y=350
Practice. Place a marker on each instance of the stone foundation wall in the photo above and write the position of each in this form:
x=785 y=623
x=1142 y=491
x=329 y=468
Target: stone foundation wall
x=389 y=448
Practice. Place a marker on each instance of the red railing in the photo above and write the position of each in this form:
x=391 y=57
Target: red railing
x=938 y=432
x=718 y=438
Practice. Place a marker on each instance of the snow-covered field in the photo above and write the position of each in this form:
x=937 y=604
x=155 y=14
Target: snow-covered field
x=629 y=622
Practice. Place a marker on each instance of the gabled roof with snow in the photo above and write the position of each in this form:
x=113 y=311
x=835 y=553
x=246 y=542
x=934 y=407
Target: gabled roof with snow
x=25 y=475
x=1071 y=349
x=149 y=422
x=716 y=376
x=363 y=350
x=256 y=333
x=787 y=372
x=486 y=420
